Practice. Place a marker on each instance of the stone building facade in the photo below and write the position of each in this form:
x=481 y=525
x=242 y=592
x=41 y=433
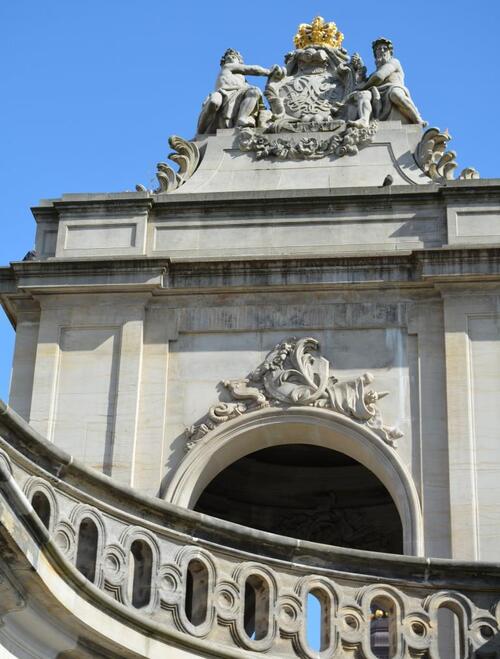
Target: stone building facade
x=230 y=391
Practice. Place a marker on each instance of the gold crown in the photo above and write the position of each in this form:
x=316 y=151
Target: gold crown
x=318 y=33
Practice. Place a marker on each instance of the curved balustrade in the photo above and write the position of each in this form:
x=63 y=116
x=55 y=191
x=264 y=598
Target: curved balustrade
x=232 y=588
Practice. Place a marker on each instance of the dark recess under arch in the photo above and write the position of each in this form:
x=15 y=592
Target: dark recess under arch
x=307 y=492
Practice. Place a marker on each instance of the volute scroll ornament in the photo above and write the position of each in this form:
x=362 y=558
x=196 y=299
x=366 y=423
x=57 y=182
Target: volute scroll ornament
x=295 y=374
x=186 y=156
x=436 y=161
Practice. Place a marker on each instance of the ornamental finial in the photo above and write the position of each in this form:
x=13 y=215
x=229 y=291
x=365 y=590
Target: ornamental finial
x=318 y=33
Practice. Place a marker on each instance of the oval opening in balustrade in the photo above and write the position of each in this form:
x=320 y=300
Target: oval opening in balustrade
x=318 y=620
x=41 y=506
x=383 y=628
x=140 y=573
x=86 y=555
x=196 y=598
x=449 y=634
x=256 y=610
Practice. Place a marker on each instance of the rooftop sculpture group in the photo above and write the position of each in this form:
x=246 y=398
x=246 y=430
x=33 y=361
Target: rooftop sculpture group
x=320 y=89
x=319 y=86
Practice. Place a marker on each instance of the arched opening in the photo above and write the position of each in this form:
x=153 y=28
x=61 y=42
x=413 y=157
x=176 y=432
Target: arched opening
x=383 y=628
x=313 y=427
x=307 y=492
x=318 y=620
x=86 y=556
x=256 y=608
x=41 y=506
x=450 y=639
x=196 y=597
x=140 y=573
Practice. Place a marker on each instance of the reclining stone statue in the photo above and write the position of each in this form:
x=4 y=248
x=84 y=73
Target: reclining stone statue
x=385 y=90
x=234 y=103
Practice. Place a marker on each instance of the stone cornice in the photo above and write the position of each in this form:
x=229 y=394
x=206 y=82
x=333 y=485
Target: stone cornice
x=165 y=276
x=282 y=197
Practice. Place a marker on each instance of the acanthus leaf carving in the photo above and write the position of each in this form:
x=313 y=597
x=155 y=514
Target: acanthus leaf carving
x=294 y=373
x=186 y=156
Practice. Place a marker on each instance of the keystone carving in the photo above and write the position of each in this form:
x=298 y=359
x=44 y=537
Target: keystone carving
x=186 y=155
x=434 y=159
x=295 y=374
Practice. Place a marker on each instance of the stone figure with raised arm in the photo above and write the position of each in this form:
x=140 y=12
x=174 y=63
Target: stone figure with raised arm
x=385 y=89
x=234 y=103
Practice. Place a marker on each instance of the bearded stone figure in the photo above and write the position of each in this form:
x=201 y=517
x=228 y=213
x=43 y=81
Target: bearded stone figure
x=385 y=90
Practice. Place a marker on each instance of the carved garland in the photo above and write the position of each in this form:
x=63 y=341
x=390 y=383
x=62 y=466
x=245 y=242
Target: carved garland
x=295 y=374
x=347 y=140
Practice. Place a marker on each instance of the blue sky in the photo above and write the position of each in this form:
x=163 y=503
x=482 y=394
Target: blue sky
x=92 y=90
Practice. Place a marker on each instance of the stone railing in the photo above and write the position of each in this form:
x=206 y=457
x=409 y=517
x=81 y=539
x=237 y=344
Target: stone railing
x=225 y=589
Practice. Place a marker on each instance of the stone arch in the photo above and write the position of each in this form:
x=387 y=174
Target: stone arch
x=34 y=486
x=273 y=427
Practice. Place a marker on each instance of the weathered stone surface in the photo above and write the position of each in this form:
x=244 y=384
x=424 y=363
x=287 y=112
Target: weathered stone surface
x=330 y=217
x=57 y=597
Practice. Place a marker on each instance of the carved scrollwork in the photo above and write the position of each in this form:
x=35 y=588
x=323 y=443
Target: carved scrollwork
x=186 y=156
x=65 y=538
x=351 y=625
x=114 y=563
x=294 y=373
x=289 y=614
x=434 y=159
x=227 y=601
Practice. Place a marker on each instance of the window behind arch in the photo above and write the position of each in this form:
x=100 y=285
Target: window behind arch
x=86 y=555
